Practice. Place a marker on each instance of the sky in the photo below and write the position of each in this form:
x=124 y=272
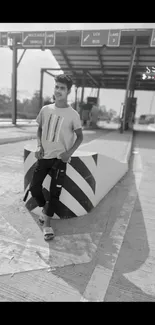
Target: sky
x=29 y=69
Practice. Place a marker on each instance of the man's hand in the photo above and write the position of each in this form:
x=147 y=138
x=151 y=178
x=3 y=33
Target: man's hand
x=65 y=156
x=39 y=152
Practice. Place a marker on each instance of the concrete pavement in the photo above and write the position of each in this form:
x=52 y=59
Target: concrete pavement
x=111 y=251
x=25 y=130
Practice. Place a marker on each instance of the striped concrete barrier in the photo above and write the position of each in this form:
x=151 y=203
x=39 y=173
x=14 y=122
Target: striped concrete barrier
x=78 y=193
x=93 y=170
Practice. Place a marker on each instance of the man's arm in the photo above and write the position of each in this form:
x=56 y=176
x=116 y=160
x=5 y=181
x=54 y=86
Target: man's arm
x=40 y=151
x=65 y=156
x=77 y=142
x=39 y=134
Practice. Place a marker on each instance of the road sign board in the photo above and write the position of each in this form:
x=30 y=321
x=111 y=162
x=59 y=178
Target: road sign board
x=152 y=43
x=49 y=38
x=94 y=37
x=33 y=39
x=4 y=39
x=114 y=37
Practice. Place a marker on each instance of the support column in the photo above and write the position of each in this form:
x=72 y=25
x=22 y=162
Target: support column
x=14 y=83
x=98 y=94
x=76 y=90
x=82 y=93
x=41 y=89
x=83 y=85
x=133 y=54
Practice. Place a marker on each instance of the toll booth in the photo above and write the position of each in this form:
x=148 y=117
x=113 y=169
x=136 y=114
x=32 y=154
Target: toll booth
x=94 y=112
x=89 y=111
x=85 y=112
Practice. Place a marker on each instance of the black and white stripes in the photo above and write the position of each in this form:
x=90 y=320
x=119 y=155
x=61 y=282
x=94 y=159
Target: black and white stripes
x=78 y=193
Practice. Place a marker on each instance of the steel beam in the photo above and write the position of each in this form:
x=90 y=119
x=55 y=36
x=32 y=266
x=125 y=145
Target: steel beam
x=92 y=78
x=21 y=58
x=67 y=62
x=14 y=83
x=41 y=88
x=100 y=60
x=50 y=74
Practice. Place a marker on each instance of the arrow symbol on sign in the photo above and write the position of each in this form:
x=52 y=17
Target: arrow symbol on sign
x=25 y=39
x=86 y=37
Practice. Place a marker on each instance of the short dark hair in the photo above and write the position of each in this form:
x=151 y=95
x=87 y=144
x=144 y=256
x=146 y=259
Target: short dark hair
x=65 y=79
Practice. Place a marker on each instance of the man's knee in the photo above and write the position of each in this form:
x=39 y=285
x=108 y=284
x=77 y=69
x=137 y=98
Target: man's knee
x=36 y=192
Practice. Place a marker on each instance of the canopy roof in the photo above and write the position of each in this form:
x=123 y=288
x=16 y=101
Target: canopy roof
x=108 y=67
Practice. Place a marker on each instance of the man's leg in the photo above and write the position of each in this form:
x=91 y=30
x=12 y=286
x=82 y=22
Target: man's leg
x=57 y=181
x=40 y=172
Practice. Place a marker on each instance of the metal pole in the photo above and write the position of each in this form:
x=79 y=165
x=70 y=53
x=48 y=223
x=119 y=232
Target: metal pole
x=14 y=83
x=83 y=84
x=76 y=90
x=41 y=89
x=98 y=94
x=129 y=80
x=151 y=103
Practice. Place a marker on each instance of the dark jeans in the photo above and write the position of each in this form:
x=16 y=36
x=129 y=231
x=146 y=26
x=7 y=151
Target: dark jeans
x=57 y=170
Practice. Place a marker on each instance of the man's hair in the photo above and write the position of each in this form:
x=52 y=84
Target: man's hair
x=65 y=79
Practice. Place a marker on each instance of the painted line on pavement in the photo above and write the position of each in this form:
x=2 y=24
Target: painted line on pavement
x=101 y=276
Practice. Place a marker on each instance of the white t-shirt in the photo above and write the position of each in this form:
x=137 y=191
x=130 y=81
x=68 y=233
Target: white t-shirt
x=58 y=126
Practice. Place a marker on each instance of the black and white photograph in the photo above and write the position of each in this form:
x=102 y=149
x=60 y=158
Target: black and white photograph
x=77 y=162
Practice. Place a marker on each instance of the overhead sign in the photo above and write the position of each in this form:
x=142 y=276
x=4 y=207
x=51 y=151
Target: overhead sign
x=49 y=39
x=37 y=39
x=94 y=37
x=114 y=37
x=153 y=38
x=32 y=39
x=4 y=39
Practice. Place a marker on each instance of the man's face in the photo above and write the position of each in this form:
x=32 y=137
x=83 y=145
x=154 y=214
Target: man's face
x=61 y=91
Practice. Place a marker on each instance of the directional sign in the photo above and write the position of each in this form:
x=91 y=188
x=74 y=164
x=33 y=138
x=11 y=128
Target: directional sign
x=49 y=39
x=153 y=38
x=94 y=37
x=33 y=39
x=114 y=37
x=3 y=39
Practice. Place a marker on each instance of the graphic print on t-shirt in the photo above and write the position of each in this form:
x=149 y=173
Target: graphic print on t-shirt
x=53 y=128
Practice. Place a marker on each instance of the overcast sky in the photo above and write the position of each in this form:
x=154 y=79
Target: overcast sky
x=34 y=60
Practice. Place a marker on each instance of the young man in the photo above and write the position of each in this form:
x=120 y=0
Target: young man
x=59 y=135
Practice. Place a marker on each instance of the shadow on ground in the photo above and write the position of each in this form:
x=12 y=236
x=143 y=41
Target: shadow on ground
x=97 y=226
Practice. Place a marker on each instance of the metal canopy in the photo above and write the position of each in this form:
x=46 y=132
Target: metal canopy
x=108 y=67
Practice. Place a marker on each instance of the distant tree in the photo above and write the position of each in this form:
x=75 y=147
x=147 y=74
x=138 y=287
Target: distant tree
x=47 y=100
x=112 y=113
x=5 y=105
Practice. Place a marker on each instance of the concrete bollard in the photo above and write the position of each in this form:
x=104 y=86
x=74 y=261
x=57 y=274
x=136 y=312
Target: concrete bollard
x=92 y=172
x=78 y=193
